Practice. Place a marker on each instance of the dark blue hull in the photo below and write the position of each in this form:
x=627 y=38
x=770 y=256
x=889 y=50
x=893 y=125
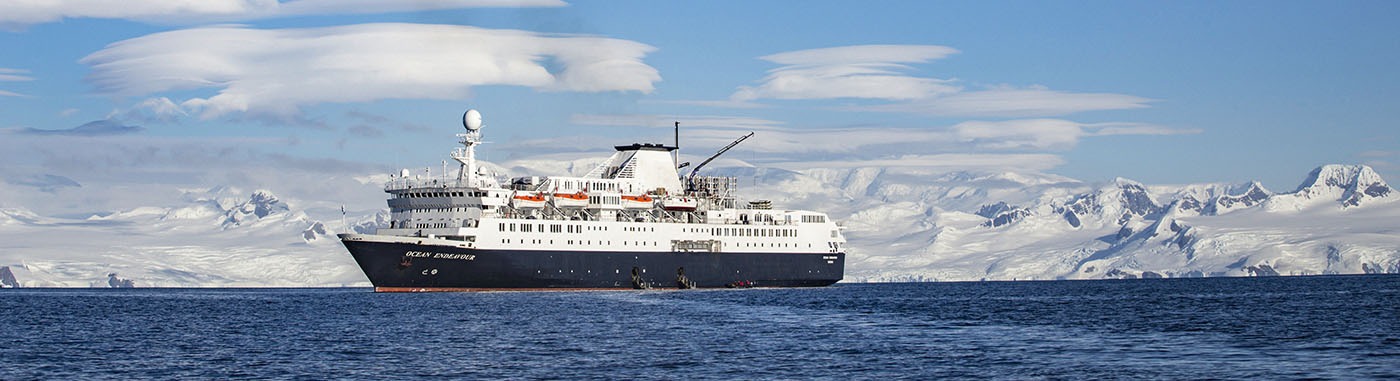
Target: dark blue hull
x=412 y=267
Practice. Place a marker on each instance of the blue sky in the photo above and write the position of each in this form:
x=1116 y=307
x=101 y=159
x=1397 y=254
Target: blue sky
x=1160 y=92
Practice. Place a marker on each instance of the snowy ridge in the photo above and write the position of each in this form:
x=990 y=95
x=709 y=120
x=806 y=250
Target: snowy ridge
x=1350 y=186
x=1342 y=220
x=215 y=238
x=902 y=225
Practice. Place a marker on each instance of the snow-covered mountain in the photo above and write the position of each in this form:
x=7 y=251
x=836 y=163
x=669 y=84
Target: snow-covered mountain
x=902 y=225
x=220 y=237
x=1341 y=220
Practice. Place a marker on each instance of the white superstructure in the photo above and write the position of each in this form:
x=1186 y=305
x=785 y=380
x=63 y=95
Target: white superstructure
x=635 y=201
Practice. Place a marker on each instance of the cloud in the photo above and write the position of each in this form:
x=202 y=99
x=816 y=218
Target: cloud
x=13 y=75
x=18 y=14
x=277 y=72
x=364 y=130
x=864 y=71
x=380 y=120
x=45 y=182
x=93 y=128
x=1020 y=134
x=663 y=121
x=1015 y=102
x=947 y=161
x=882 y=73
x=862 y=54
x=151 y=110
x=142 y=170
x=776 y=137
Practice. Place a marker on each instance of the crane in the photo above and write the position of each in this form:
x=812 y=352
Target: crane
x=695 y=170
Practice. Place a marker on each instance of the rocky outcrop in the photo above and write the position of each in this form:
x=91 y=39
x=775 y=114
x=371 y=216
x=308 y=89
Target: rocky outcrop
x=7 y=278
x=114 y=282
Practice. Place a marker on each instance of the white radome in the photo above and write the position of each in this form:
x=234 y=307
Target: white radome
x=472 y=120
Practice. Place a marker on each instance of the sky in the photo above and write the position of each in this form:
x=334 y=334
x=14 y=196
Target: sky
x=108 y=105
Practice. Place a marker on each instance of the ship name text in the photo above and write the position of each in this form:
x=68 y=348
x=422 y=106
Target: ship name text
x=424 y=254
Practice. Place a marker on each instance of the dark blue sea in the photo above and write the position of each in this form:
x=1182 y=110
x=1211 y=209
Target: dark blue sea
x=1343 y=327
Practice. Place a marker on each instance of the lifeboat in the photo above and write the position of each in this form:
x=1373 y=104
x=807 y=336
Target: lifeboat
x=570 y=200
x=679 y=203
x=527 y=201
x=637 y=202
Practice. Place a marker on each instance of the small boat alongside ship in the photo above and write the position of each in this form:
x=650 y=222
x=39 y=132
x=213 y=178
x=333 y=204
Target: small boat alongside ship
x=633 y=222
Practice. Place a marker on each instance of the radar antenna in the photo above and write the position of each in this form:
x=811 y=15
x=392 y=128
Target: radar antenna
x=471 y=120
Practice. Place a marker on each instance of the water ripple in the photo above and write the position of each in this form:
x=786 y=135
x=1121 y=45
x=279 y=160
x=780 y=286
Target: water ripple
x=1314 y=327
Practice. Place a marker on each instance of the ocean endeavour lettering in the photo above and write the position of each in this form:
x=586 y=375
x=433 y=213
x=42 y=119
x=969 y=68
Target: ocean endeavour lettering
x=424 y=254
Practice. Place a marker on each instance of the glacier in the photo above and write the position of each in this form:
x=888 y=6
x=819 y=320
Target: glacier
x=903 y=224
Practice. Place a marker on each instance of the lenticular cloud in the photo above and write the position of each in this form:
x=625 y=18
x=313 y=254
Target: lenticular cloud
x=276 y=72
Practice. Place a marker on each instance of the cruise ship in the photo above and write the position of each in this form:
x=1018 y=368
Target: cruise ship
x=639 y=220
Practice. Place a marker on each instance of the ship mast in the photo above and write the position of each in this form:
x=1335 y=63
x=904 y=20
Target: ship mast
x=471 y=120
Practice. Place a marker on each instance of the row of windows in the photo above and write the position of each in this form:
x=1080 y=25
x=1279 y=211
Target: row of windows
x=752 y=232
x=426 y=225
x=814 y=219
x=580 y=242
x=440 y=194
x=430 y=226
x=432 y=210
x=553 y=228
x=717 y=232
x=605 y=200
x=643 y=243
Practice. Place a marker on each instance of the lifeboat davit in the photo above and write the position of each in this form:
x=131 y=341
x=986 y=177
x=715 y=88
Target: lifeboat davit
x=637 y=202
x=570 y=200
x=679 y=203
x=527 y=201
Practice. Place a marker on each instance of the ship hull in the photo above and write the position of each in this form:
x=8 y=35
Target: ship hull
x=409 y=266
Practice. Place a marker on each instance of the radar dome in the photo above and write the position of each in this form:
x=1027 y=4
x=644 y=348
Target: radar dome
x=472 y=120
x=403 y=173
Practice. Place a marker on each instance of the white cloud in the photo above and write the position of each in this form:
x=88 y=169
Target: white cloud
x=140 y=170
x=13 y=75
x=709 y=103
x=16 y=14
x=276 y=72
x=947 y=161
x=882 y=73
x=776 y=137
x=1020 y=134
x=1110 y=129
x=862 y=54
x=1016 y=102
x=159 y=109
x=660 y=121
x=863 y=71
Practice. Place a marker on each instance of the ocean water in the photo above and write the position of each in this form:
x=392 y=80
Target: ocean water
x=1345 y=327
